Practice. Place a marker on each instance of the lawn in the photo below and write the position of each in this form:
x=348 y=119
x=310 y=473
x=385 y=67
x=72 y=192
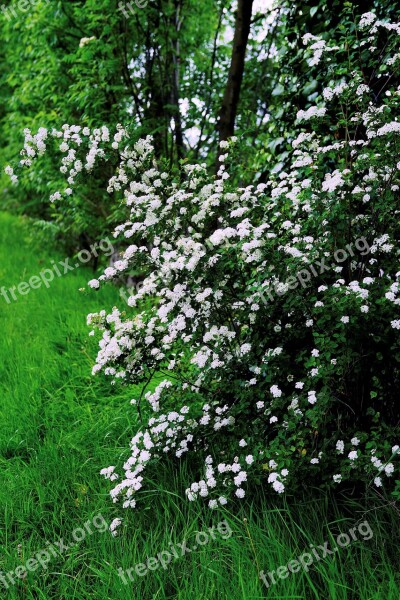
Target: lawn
x=59 y=426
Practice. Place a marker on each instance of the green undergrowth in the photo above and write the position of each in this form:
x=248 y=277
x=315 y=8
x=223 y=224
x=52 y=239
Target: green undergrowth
x=59 y=426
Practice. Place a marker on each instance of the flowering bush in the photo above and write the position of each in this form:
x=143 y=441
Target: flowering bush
x=274 y=313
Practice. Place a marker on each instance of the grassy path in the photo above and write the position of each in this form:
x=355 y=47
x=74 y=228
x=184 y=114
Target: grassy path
x=56 y=420
x=59 y=426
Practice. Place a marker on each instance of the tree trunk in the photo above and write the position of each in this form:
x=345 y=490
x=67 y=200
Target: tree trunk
x=176 y=60
x=230 y=101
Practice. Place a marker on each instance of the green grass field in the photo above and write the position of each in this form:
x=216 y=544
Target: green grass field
x=59 y=426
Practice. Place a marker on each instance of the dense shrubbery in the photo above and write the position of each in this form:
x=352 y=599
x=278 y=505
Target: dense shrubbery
x=275 y=308
x=163 y=70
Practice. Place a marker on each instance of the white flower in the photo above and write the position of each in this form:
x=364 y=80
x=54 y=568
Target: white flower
x=337 y=478
x=94 y=283
x=366 y=20
x=86 y=40
x=355 y=441
x=340 y=446
x=376 y=462
x=389 y=468
x=312 y=398
x=114 y=525
x=278 y=486
x=238 y=480
x=312 y=112
x=353 y=455
x=273 y=419
x=245 y=349
x=345 y=319
x=329 y=93
x=242 y=443
x=362 y=89
x=275 y=391
x=393 y=127
x=307 y=38
x=332 y=181
x=240 y=493
x=249 y=459
x=378 y=482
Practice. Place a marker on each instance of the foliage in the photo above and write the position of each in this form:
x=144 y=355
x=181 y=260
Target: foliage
x=67 y=62
x=273 y=370
x=161 y=71
x=278 y=82
x=59 y=425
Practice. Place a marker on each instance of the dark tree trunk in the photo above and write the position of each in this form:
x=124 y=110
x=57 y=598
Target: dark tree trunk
x=176 y=60
x=226 y=124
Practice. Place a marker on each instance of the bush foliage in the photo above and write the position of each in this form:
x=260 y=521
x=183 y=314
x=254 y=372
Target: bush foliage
x=274 y=312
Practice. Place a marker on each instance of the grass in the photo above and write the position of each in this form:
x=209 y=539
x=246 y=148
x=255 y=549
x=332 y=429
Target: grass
x=59 y=426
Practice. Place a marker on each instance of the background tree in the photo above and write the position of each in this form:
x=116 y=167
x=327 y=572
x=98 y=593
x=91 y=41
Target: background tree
x=182 y=72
